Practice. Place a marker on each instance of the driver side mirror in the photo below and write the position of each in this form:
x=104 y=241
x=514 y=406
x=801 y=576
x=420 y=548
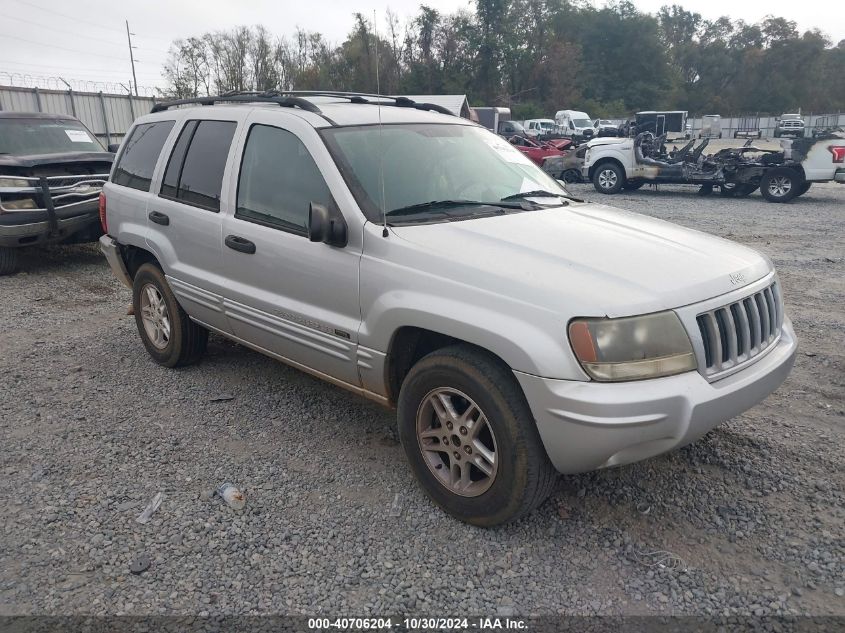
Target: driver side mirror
x=326 y=227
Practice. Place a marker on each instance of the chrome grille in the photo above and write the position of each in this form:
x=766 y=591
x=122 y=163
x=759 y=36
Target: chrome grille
x=735 y=333
x=65 y=191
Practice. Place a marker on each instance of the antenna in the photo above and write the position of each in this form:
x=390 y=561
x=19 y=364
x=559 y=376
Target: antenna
x=384 y=232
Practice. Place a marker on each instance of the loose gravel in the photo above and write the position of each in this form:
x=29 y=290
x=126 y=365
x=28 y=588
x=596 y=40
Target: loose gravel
x=748 y=520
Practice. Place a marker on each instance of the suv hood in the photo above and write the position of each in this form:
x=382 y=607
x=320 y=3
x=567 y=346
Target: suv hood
x=585 y=260
x=35 y=160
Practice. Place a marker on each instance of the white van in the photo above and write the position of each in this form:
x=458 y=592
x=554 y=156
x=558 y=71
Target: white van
x=539 y=127
x=575 y=123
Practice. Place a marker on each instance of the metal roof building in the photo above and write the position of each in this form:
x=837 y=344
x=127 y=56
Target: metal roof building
x=456 y=104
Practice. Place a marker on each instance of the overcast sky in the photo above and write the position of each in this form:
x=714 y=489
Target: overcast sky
x=86 y=39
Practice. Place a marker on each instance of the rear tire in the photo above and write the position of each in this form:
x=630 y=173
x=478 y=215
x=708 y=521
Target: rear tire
x=8 y=260
x=608 y=178
x=780 y=185
x=169 y=335
x=508 y=471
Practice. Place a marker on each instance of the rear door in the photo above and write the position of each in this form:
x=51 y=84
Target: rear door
x=184 y=219
x=285 y=294
x=128 y=189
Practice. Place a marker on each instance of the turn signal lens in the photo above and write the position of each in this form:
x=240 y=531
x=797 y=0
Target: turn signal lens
x=102 y=206
x=632 y=348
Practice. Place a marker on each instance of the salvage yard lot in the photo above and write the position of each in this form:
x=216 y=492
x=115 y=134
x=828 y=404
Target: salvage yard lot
x=749 y=519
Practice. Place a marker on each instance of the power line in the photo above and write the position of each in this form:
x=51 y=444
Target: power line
x=77 y=69
x=64 y=48
x=88 y=23
x=50 y=28
x=87 y=37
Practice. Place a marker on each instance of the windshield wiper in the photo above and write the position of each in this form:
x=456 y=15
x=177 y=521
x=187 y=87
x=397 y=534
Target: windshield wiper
x=435 y=205
x=539 y=193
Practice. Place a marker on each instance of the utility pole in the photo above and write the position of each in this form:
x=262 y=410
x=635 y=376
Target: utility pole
x=132 y=56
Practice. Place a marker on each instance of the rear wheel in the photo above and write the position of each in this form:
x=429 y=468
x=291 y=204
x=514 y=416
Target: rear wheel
x=8 y=260
x=170 y=337
x=471 y=439
x=608 y=178
x=780 y=185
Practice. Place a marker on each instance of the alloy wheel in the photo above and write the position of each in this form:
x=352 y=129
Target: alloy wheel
x=154 y=316
x=607 y=179
x=457 y=442
x=779 y=186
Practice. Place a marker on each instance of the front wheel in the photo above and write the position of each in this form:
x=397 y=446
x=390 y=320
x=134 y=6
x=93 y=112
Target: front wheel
x=780 y=185
x=608 y=178
x=8 y=260
x=571 y=176
x=167 y=332
x=471 y=439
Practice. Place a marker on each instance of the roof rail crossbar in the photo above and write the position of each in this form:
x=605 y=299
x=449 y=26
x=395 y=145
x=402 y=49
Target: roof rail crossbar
x=363 y=97
x=242 y=97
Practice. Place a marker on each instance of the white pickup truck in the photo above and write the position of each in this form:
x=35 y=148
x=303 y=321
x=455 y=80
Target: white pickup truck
x=613 y=164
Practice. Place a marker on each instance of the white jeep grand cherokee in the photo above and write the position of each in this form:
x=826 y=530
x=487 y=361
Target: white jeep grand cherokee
x=417 y=259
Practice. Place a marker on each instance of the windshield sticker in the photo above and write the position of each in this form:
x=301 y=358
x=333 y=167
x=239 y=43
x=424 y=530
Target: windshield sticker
x=78 y=136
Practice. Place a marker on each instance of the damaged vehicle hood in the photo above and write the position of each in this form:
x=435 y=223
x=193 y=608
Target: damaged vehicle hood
x=584 y=259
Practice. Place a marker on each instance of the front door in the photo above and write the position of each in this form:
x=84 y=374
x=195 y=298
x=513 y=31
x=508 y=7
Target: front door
x=285 y=294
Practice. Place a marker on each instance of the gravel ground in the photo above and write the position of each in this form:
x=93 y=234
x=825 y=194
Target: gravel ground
x=749 y=520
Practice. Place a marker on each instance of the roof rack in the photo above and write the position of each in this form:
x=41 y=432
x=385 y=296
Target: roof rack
x=241 y=97
x=296 y=99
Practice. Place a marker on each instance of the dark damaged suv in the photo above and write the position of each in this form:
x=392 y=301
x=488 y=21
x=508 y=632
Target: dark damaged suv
x=52 y=169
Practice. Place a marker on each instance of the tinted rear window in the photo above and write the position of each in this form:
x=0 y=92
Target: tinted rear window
x=139 y=155
x=202 y=172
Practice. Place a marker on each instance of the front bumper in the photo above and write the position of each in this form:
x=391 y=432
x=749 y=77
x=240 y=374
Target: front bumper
x=31 y=233
x=588 y=425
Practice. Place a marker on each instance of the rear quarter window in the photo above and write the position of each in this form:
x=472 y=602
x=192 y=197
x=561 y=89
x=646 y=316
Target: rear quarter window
x=140 y=153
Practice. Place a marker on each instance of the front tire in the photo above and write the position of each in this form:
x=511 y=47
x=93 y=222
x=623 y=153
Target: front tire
x=471 y=439
x=780 y=185
x=608 y=178
x=8 y=260
x=170 y=337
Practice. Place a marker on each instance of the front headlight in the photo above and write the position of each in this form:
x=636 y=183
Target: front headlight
x=14 y=182
x=632 y=348
x=18 y=205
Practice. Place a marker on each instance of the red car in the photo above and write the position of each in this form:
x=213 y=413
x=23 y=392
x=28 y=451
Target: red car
x=537 y=152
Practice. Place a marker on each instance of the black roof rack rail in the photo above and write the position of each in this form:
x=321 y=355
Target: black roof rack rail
x=363 y=97
x=284 y=101
x=296 y=99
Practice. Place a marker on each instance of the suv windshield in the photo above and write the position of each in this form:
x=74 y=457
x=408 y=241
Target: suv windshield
x=45 y=136
x=428 y=162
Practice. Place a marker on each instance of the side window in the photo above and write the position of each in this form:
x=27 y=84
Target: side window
x=170 y=184
x=139 y=156
x=278 y=180
x=194 y=173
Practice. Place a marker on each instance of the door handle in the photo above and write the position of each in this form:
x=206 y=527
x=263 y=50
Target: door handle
x=159 y=218
x=240 y=244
